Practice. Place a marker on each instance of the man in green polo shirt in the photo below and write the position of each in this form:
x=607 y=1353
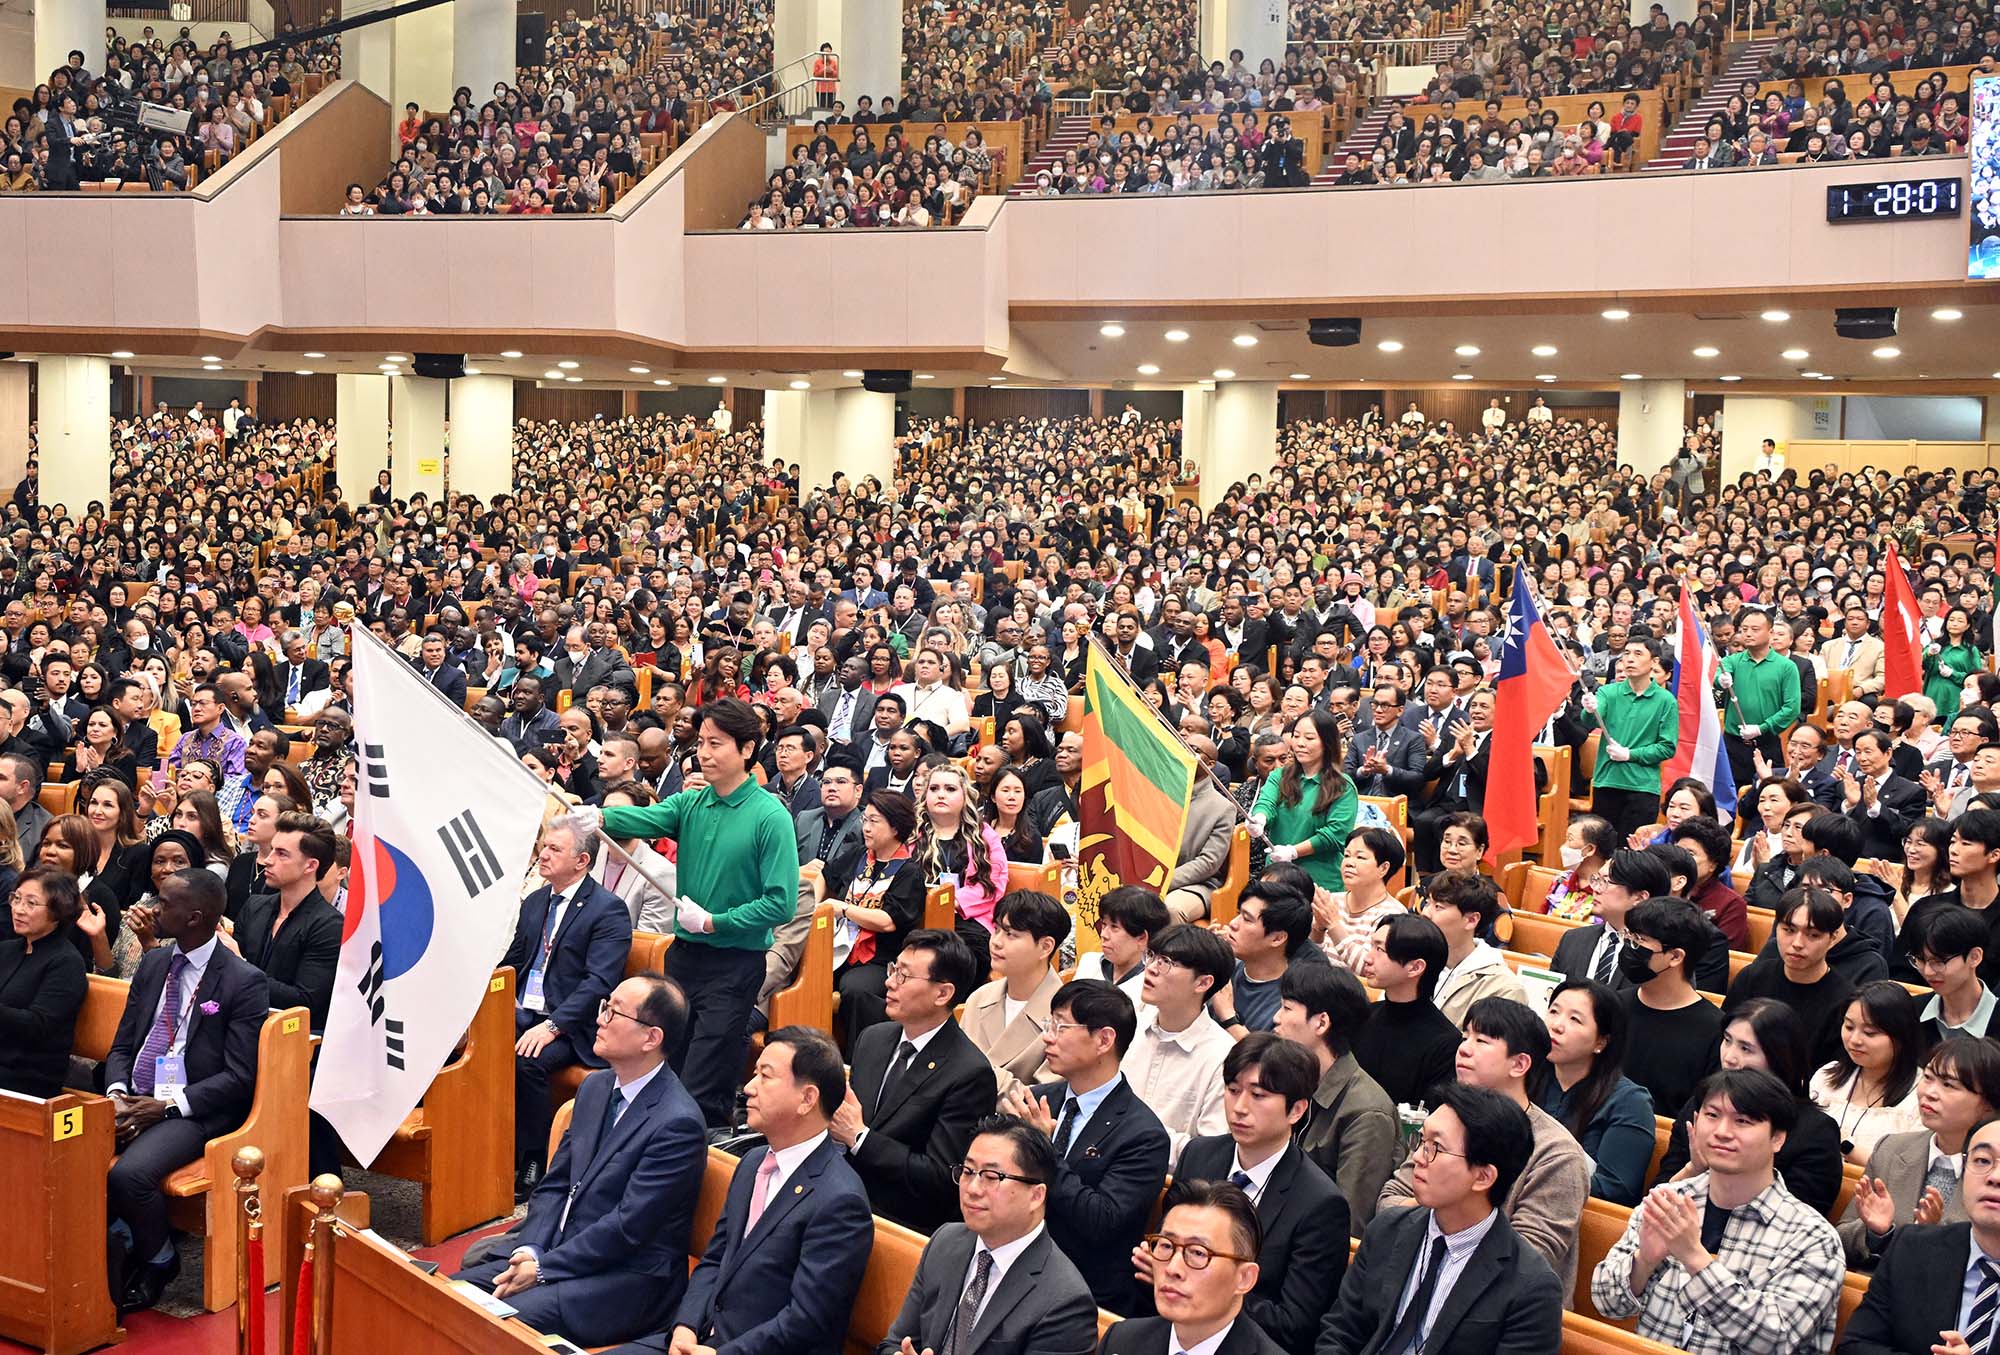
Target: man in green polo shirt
x=738 y=866
x=1641 y=725
x=1760 y=691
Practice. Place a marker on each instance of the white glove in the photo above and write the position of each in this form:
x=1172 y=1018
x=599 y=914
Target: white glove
x=1590 y=702
x=1617 y=752
x=1725 y=680
x=590 y=816
x=1947 y=670
x=1256 y=826
x=1284 y=851
x=1748 y=731
x=690 y=916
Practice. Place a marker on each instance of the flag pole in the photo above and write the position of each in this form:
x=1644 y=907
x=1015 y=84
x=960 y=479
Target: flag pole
x=547 y=794
x=1097 y=643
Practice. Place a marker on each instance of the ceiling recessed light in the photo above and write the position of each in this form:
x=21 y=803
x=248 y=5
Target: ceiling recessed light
x=1730 y=378
x=1708 y=351
x=1795 y=355
x=1941 y=313
x=1825 y=377
x=1245 y=340
x=1617 y=313
x=474 y=371
x=1301 y=376
x=640 y=371
x=552 y=375
x=1149 y=369
x=312 y=355
x=1631 y=376
x=926 y=376
x=1224 y=374
x=574 y=380
x=1112 y=331
x=1810 y=376
x=1543 y=350
x=505 y=353
x=569 y=364
x=391 y=368
x=1888 y=350
x=303 y=371
x=1461 y=376
x=717 y=380
x=1776 y=317
x=802 y=385
x=210 y=357
x=1467 y=350
x=394 y=357
x=122 y=354
x=1177 y=336
x=1546 y=376
x=661 y=381
x=852 y=374
x=1390 y=346
x=211 y=366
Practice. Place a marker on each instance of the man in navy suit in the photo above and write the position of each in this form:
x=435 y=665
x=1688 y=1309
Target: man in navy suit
x=182 y=1070
x=787 y=1256
x=1111 y=1149
x=442 y=674
x=1203 y=1306
x=602 y=1255
x=569 y=949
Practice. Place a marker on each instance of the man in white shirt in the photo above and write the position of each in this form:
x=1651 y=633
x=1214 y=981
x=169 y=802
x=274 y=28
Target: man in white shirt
x=931 y=698
x=1175 y=1062
x=1493 y=418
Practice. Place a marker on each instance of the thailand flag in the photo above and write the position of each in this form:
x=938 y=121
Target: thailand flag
x=1532 y=685
x=1700 y=753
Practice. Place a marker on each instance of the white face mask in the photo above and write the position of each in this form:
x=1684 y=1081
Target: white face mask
x=1572 y=857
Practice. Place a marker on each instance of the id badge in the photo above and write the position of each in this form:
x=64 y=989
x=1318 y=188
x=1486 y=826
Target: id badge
x=948 y=877
x=169 y=1075
x=532 y=998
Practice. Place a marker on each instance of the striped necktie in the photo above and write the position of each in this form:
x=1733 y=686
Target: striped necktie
x=1979 y=1324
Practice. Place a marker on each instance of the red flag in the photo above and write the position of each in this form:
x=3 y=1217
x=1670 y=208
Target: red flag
x=1532 y=685
x=1902 y=643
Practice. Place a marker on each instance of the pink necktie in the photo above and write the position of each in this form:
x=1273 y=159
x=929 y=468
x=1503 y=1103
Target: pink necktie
x=767 y=1173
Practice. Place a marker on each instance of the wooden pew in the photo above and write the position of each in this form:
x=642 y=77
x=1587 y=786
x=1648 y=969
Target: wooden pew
x=1603 y=1224
x=53 y=1159
x=459 y=1144
x=1222 y=903
x=199 y=1195
x=300 y=1211
x=1587 y=1336
x=940 y=908
x=809 y=999
x=648 y=953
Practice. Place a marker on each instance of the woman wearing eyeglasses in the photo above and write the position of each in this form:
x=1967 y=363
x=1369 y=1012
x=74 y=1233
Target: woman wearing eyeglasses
x=883 y=904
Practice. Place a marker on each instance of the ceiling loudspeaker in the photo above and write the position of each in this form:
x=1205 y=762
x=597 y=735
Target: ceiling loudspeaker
x=440 y=366
x=1865 y=322
x=1334 y=332
x=886 y=381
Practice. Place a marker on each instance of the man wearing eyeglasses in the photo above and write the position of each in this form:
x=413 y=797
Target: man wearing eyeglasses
x=1203 y=1264
x=1451 y=1273
x=997 y=1284
x=602 y=1255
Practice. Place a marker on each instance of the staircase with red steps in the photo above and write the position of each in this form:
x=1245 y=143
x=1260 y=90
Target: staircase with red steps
x=1678 y=144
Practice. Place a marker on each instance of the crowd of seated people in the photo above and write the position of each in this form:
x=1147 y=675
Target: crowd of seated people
x=858 y=182
x=967 y=62
x=79 y=129
x=816 y=665
x=1187 y=158
x=1759 y=126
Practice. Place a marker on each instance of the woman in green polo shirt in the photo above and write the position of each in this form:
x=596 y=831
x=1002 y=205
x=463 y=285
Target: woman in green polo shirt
x=1307 y=811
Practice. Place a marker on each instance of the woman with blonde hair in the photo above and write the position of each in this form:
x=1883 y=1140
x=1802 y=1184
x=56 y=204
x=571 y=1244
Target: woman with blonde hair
x=955 y=847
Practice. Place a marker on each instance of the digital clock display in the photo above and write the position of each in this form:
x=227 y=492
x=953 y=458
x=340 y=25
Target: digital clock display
x=1895 y=200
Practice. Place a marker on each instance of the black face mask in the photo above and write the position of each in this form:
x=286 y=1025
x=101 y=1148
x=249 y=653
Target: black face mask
x=1636 y=963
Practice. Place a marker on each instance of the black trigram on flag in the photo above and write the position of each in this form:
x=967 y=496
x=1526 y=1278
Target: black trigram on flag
x=466 y=844
x=392 y=1053
x=376 y=770
x=371 y=984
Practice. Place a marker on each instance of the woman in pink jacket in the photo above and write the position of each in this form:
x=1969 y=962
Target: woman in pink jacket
x=955 y=848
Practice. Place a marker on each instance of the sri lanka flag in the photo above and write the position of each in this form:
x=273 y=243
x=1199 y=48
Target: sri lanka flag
x=1700 y=753
x=1534 y=682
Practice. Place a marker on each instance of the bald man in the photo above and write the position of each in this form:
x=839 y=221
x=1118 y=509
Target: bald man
x=1204 y=855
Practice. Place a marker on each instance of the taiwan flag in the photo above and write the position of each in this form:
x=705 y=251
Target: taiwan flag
x=1534 y=682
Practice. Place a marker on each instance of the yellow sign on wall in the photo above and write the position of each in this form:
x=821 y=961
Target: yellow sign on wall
x=429 y=465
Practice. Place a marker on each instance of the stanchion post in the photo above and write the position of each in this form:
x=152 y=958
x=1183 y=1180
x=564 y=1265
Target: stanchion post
x=248 y=1164
x=326 y=1193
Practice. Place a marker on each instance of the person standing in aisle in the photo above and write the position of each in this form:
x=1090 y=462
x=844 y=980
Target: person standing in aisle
x=1761 y=698
x=1641 y=726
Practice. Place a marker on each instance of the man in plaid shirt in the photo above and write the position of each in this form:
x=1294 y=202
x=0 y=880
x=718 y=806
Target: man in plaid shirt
x=1728 y=1262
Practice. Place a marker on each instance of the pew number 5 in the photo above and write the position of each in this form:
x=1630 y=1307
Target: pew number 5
x=68 y=1124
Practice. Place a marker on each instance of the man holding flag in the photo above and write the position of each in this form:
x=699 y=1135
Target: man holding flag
x=1533 y=682
x=1699 y=751
x=1761 y=698
x=1641 y=728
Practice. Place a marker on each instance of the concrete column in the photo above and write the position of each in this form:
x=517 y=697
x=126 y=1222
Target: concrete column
x=1748 y=419
x=866 y=34
x=368 y=54
x=410 y=60
x=849 y=432
x=1651 y=421
x=1242 y=436
x=864 y=436
x=73 y=426
x=14 y=425
x=1197 y=420
x=64 y=26
x=1256 y=28
x=361 y=424
x=482 y=45
x=416 y=432
x=482 y=436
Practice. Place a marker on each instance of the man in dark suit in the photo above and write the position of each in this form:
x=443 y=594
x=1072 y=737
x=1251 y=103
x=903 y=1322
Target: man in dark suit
x=997 y=1284
x=1268 y=1083
x=1111 y=1149
x=1245 y=636
x=1497 y=1294
x=783 y=1265
x=602 y=1254
x=1884 y=805
x=795 y=615
x=300 y=675
x=1926 y=1288
x=1591 y=952
x=1458 y=765
x=584 y=664
x=293 y=934
x=849 y=706
x=569 y=948
x=438 y=670
x=831 y=834
x=130 y=702
x=1203 y=1306
x=918 y=1087
x=1384 y=758
x=182 y=1069
x=63 y=128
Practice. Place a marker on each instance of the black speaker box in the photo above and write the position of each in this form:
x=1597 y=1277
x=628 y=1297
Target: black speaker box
x=1865 y=322
x=531 y=40
x=1334 y=332
x=442 y=366
x=886 y=381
